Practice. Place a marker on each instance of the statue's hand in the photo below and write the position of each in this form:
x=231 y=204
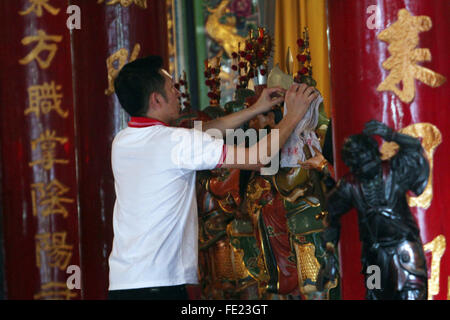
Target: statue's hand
x=328 y=270
x=378 y=128
x=317 y=162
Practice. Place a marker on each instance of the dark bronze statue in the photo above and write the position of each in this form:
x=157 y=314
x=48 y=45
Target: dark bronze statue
x=388 y=232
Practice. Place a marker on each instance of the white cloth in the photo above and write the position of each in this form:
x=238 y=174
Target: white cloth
x=155 y=213
x=304 y=134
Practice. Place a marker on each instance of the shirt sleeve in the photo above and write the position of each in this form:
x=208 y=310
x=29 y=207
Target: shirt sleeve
x=196 y=150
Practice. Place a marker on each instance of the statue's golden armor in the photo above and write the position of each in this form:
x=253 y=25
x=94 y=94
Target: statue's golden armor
x=222 y=270
x=284 y=221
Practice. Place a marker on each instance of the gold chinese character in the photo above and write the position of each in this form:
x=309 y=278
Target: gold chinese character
x=45 y=98
x=437 y=249
x=55 y=291
x=403 y=38
x=41 y=46
x=36 y=7
x=448 y=288
x=431 y=138
x=50 y=197
x=53 y=246
x=120 y=57
x=48 y=142
x=126 y=3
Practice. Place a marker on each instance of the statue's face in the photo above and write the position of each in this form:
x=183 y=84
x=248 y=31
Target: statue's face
x=263 y=121
x=360 y=154
x=365 y=164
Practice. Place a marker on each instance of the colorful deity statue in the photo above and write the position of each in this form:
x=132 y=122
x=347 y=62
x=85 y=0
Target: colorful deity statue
x=260 y=235
x=280 y=224
x=222 y=272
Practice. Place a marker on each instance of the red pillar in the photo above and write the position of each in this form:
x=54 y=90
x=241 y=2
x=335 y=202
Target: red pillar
x=58 y=117
x=38 y=151
x=357 y=53
x=108 y=33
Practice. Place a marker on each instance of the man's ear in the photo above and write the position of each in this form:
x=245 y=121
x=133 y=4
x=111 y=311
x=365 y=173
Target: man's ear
x=155 y=99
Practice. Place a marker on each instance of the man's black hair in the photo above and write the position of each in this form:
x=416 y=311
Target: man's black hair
x=136 y=82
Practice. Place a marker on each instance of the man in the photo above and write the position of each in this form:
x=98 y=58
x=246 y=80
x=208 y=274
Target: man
x=154 y=250
x=389 y=234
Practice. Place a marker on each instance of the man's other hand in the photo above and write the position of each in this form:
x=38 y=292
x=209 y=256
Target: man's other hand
x=298 y=98
x=265 y=101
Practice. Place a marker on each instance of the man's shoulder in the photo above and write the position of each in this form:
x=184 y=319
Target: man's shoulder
x=158 y=130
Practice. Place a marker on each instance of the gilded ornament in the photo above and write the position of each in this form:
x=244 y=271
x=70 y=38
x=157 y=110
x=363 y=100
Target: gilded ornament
x=121 y=57
x=45 y=98
x=448 y=289
x=37 y=6
x=277 y=78
x=225 y=35
x=431 y=139
x=51 y=198
x=48 y=142
x=229 y=264
x=403 y=38
x=55 y=291
x=54 y=249
x=126 y=3
x=308 y=268
x=42 y=40
x=437 y=249
x=290 y=62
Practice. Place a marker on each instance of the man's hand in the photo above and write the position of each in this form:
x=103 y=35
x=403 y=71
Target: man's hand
x=378 y=128
x=265 y=101
x=298 y=98
x=237 y=119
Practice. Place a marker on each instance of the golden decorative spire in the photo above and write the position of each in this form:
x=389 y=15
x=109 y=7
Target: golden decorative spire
x=289 y=62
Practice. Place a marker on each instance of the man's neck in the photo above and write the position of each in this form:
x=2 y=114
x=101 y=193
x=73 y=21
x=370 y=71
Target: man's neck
x=158 y=117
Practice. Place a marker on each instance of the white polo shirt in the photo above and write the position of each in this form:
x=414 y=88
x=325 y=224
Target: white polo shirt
x=155 y=214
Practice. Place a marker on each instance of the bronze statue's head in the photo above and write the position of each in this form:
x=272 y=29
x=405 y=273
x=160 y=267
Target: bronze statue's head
x=360 y=153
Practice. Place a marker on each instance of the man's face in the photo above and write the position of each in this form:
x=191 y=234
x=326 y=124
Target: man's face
x=171 y=105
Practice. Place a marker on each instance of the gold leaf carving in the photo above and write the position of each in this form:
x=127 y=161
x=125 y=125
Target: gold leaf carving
x=403 y=38
x=431 y=139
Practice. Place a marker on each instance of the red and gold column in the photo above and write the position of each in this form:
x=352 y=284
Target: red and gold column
x=389 y=62
x=38 y=150
x=112 y=33
x=58 y=117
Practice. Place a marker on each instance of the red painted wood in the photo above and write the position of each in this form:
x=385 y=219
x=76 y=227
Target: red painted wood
x=105 y=30
x=356 y=57
x=24 y=278
x=79 y=67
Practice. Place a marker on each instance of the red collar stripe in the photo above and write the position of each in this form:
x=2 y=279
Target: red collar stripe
x=224 y=155
x=142 y=122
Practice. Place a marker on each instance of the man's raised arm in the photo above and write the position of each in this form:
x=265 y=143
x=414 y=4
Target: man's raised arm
x=298 y=99
x=236 y=119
